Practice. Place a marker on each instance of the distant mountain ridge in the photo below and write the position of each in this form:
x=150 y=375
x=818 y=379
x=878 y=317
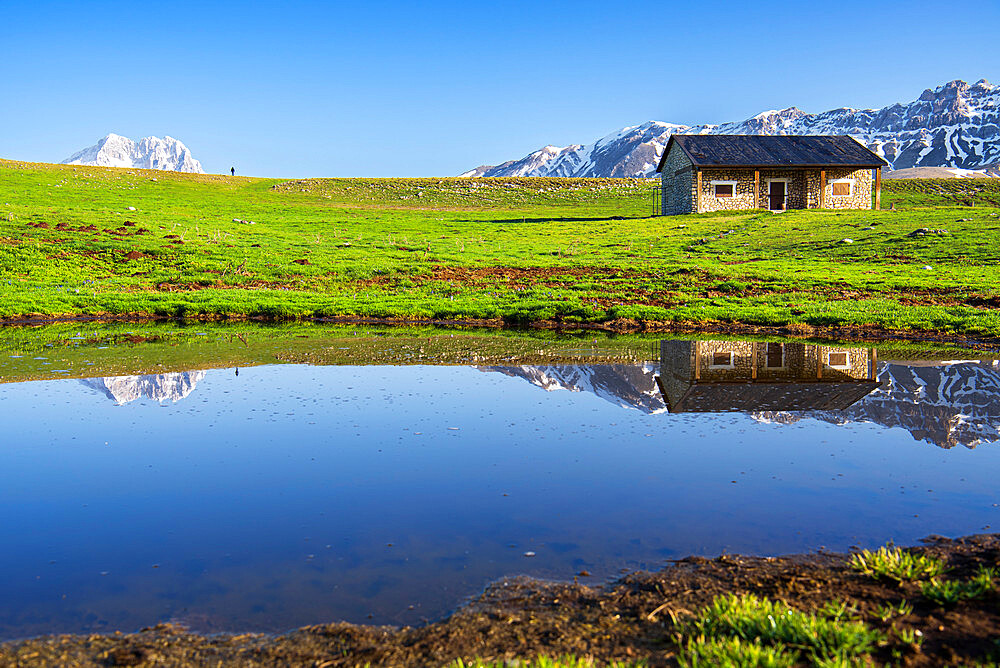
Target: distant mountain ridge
x=953 y=125
x=113 y=150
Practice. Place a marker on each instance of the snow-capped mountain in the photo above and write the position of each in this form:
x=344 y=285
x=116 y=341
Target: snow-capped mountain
x=168 y=154
x=123 y=389
x=954 y=125
x=947 y=404
x=626 y=385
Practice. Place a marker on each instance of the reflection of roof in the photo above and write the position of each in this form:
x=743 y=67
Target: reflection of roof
x=708 y=397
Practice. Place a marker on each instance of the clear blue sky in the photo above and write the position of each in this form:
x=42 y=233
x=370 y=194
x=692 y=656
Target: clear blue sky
x=379 y=88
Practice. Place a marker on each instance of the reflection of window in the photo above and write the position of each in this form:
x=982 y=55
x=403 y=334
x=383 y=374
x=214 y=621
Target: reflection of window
x=839 y=359
x=722 y=360
x=724 y=188
x=775 y=355
x=841 y=188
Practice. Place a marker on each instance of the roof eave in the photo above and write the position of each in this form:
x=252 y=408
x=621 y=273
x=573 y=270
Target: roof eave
x=794 y=166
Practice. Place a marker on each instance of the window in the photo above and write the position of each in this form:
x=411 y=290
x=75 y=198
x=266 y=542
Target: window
x=775 y=355
x=839 y=360
x=722 y=360
x=724 y=188
x=840 y=188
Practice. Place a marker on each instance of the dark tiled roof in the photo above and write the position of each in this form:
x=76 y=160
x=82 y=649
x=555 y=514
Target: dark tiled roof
x=773 y=151
x=715 y=397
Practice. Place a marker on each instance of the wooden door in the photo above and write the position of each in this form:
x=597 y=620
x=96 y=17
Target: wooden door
x=776 y=196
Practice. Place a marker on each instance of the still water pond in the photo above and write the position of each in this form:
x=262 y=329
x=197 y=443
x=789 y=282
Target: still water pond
x=285 y=495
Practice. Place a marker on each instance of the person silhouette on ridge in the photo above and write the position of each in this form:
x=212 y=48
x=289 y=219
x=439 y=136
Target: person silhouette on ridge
x=233 y=170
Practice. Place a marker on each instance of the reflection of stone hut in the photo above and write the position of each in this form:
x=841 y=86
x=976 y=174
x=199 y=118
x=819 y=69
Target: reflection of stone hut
x=706 y=376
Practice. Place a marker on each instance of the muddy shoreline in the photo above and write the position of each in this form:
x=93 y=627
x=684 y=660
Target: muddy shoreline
x=858 y=334
x=632 y=618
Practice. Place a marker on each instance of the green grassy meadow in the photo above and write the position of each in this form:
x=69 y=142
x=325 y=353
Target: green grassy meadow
x=88 y=241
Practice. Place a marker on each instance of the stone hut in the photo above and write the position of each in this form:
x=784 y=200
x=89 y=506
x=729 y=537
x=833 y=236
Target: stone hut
x=702 y=173
x=716 y=376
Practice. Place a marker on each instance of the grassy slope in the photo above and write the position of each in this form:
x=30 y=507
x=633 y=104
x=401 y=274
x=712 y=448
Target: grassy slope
x=520 y=250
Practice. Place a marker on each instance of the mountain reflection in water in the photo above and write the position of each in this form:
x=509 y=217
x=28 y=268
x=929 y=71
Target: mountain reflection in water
x=627 y=385
x=160 y=387
x=946 y=403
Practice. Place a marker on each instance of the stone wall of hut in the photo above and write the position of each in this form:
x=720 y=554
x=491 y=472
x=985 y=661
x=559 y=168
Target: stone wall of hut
x=743 y=196
x=858 y=363
x=799 y=362
x=742 y=356
x=676 y=369
x=677 y=184
x=861 y=189
x=802 y=190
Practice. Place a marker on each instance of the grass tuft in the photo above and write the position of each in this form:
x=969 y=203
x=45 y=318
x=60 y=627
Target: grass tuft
x=949 y=592
x=735 y=653
x=888 y=611
x=896 y=564
x=543 y=662
x=826 y=636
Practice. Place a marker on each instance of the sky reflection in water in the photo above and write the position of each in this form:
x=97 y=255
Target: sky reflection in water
x=291 y=495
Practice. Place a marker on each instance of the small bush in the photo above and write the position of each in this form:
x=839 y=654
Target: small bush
x=896 y=564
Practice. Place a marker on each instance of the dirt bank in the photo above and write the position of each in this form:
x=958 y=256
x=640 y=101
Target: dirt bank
x=632 y=618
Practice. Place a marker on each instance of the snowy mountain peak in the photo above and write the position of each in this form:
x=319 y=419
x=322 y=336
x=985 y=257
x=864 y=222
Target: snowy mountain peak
x=148 y=153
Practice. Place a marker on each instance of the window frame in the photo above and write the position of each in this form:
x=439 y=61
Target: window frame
x=767 y=354
x=850 y=187
x=716 y=184
x=847 y=359
x=730 y=365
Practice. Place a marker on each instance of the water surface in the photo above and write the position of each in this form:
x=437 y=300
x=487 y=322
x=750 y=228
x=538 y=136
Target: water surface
x=285 y=495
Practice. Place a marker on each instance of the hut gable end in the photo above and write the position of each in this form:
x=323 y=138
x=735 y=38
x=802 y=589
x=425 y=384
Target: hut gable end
x=677 y=187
